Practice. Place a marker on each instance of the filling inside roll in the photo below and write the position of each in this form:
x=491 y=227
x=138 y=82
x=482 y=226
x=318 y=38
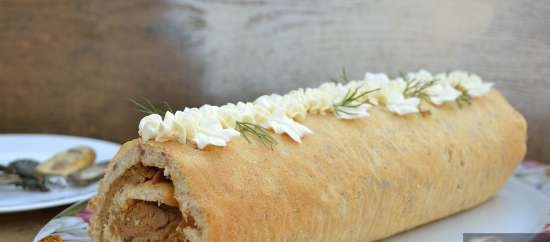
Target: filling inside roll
x=145 y=208
x=146 y=221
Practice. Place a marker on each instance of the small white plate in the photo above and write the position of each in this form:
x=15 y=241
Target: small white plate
x=518 y=208
x=41 y=147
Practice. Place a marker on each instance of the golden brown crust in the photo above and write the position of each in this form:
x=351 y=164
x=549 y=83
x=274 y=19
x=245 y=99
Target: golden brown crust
x=352 y=180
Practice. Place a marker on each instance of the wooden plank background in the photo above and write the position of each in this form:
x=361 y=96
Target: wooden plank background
x=68 y=66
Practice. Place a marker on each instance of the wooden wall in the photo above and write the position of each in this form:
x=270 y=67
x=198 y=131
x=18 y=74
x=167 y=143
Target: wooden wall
x=68 y=66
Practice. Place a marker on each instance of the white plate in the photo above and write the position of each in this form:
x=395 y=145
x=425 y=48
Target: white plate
x=41 y=147
x=517 y=208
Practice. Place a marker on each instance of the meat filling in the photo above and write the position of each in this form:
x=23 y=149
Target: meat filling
x=148 y=222
x=156 y=220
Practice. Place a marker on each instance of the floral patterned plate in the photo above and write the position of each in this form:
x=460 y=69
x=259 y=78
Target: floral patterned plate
x=523 y=206
x=69 y=225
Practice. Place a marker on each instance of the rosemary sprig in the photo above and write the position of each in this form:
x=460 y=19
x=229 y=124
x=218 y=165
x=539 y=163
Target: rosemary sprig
x=465 y=98
x=147 y=107
x=351 y=100
x=258 y=132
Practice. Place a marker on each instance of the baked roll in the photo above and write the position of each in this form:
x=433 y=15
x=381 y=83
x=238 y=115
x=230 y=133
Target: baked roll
x=362 y=179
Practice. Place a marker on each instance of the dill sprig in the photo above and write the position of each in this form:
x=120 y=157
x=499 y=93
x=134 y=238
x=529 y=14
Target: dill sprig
x=418 y=89
x=257 y=132
x=351 y=100
x=342 y=79
x=465 y=98
x=415 y=88
x=147 y=107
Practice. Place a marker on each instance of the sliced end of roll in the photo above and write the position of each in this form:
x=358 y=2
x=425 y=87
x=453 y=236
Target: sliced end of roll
x=141 y=203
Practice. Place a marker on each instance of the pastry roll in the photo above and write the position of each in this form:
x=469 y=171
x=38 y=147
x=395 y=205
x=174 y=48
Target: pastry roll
x=352 y=180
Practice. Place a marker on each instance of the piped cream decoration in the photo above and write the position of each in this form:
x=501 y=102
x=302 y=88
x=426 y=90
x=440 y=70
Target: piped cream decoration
x=212 y=125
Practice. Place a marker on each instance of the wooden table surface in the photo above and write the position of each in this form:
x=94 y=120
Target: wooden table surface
x=23 y=226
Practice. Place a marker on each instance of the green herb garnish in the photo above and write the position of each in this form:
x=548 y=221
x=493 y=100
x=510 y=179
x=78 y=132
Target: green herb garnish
x=418 y=89
x=343 y=77
x=351 y=100
x=258 y=132
x=464 y=98
x=147 y=107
